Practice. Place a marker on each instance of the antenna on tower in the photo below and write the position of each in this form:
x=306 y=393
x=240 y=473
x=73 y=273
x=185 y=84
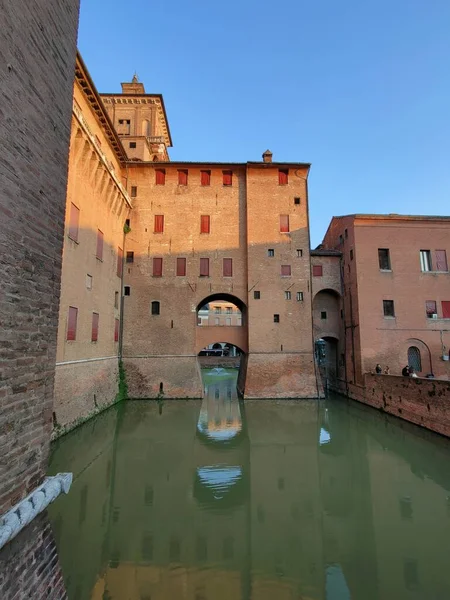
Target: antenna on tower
x=135 y=78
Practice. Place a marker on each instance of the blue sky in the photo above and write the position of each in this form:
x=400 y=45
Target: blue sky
x=360 y=89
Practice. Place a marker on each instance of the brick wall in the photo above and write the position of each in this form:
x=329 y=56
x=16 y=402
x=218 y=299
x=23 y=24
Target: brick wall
x=37 y=52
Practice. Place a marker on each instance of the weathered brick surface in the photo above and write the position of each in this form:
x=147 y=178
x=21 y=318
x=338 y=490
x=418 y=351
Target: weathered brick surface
x=37 y=54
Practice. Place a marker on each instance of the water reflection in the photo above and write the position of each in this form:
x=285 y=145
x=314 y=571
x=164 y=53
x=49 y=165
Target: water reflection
x=219 y=499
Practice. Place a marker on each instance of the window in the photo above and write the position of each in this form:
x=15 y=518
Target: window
x=205 y=177
x=283 y=176
x=257 y=295
x=384 y=259
x=204 y=267
x=72 y=324
x=299 y=296
x=441 y=260
x=285 y=270
x=155 y=307
x=431 y=309
x=323 y=314
x=276 y=318
x=270 y=252
x=229 y=310
x=181 y=267
x=74 y=222
x=351 y=254
x=132 y=144
x=133 y=191
x=445 y=309
x=116 y=329
x=227 y=177
x=182 y=176
x=157 y=267
x=160 y=176
x=130 y=257
x=205 y=223
x=287 y=295
x=116 y=299
x=388 y=308
x=341 y=239
x=296 y=200
x=89 y=282
x=125 y=126
x=119 y=262
x=284 y=223
x=317 y=271
x=126 y=290
x=228 y=321
x=414 y=358
x=425 y=260
x=99 y=252
x=216 y=321
x=159 y=224
x=346 y=233
x=299 y=253
x=228 y=267
x=218 y=310
x=94 y=333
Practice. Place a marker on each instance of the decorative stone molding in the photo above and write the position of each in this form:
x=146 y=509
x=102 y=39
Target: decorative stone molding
x=27 y=509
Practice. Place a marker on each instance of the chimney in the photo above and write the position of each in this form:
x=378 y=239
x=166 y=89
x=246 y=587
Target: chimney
x=267 y=156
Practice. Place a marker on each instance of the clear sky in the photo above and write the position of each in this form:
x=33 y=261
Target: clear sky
x=358 y=88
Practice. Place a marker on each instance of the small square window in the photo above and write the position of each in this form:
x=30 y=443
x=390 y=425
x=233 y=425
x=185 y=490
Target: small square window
x=276 y=318
x=285 y=270
x=299 y=253
x=133 y=191
x=271 y=252
x=132 y=144
x=257 y=295
x=89 y=282
x=296 y=200
x=323 y=314
x=388 y=308
x=299 y=296
x=317 y=271
x=130 y=257
x=126 y=290
x=287 y=295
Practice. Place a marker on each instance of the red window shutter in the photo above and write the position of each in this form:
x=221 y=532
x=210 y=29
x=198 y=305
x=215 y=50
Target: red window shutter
x=283 y=176
x=159 y=224
x=446 y=309
x=205 y=177
x=285 y=270
x=116 y=330
x=204 y=224
x=94 y=335
x=99 y=253
x=74 y=222
x=317 y=271
x=157 y=267
x=228 y=267
x=431 y=307
x=204 y=267
x=160 y=176
x=119 y=262
x=72 y=323
x=441 y=260
x=284 y=223
x=181 y=267
x=227 y=177
x=182 y=177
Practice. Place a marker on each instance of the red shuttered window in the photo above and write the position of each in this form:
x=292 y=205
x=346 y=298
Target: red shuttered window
x=119 y=262
x=441 y=260
x=446 y=309
x=284 y=223
x=72 y=323
x=160 y=177
x=204 y=224
x=182 y=177
x=74 y=220
x=317 y=271
x=116 y=329
x=283 y=176
x=94 y=334
x=285 y=270
x=181 y=267
x=157 y=267
x=228 y=267
x=204 y=267
x=99 y=252
x=227 y=177
x=205 y=177
x=159 y=224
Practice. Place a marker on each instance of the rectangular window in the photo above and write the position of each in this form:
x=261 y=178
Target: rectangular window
x=157 y=267
x=216 y=321
x=425 y=260
x=323 y=314
x=205 y=177
x=160 y=176
x=228 y=321
x=287 y=295
x=204 y=267
x=388 y=308
x=317 y=271
x=285 y=270
x=89 y=282
x=227 y=177
x=346 y=233
x=74 y=222
x=72 y=323
x=341 y=239
x=119 y=262
x=299 y=296
x=99 y=253
x=133 y=191
x=116 y=299
x=116 y=329
x=431 y=308
x=445 y=309
x=94 y=333
x=229 y=310
x=182 y=176
x=132 y=144
x=384 y=259
x=228 y=267
x=159 y=224
x=296 y=200
x=270 y=252
x=441 y=260
x=283 y=176
x=218 y=310
x=257 y=295
x=205 y=224
x=181 y=267
x=276 y=318
x=284 y=223
x=130 y=257
x=299 y=253
x=126 y=290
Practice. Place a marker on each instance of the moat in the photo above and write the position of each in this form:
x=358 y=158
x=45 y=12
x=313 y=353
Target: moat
x=265 y=500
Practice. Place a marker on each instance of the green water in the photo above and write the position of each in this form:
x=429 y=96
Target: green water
x=262 y=500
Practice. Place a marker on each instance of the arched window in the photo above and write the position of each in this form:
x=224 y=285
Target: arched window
x=155 y=307
x=414 y=359
x=146 y=128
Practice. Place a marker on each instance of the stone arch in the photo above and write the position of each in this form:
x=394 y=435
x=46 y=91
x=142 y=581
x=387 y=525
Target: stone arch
x=234 y=335
x=326 y=314
x=426 y=365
